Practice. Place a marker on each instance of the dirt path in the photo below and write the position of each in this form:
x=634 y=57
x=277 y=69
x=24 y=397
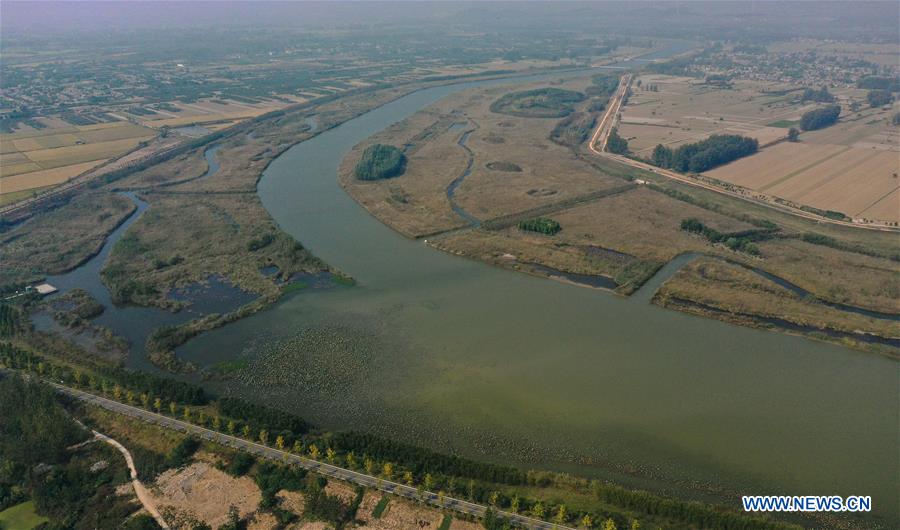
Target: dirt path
x=139 y=488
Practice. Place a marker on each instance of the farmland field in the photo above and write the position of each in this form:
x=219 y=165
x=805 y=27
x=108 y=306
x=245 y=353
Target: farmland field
x=857 y=182
x=38 y=158
x=673 y=110
x=851 y=167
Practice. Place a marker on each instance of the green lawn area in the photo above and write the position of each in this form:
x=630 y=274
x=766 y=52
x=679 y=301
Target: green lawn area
x=21 y=517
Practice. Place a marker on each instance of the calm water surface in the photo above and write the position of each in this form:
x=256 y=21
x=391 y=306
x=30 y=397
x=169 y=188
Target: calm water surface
x=501 y=365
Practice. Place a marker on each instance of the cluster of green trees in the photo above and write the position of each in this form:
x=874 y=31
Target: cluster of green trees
x=420 y=461
x=874 y=82
x=9 y=320
x=615 y=143
x=107 y=379
x=739 y=241
x=149 y=463
x=574 y=129
x=538 y=103
x=821 y=95
x=541 y=225
x=603 y=85
x=262 y=416
x=820 y=118
x=706 y=154
x=878 y=98
x=380 y=161
x=35 y=436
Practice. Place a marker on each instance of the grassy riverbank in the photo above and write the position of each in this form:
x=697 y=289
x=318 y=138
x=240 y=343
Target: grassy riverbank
x=610 y=226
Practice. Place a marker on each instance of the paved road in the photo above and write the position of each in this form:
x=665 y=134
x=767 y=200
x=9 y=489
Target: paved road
x=597 y=145
x=272 y=453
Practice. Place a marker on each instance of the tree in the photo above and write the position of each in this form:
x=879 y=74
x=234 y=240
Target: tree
x=615 y=143
x=217 y=423
x=635 y=524
x=314 y=452
x=491 y=521
x=387 y=470
x=173 y=407
x=793 y=134
x=586 y=521
x=231 y=427
x=878 y=98
x=187 y=413
x=820 y=118
x=561 y=514
x=609 y=524
x=117 y=390
x=514 y=504
x=279 y=442
x=246 y=432
x=429 y=481
x=264 y=437
x=494 y=498
x=662 y=156
x=369 y=466
x=234 y=519
x=351 y=460
x=201 y=418
x=145 y=400
x=298 y=447
x=330 y=455
x=380 y=161
x=822 y=95
x=538 y=510
x=157 y=404
x=408 y=478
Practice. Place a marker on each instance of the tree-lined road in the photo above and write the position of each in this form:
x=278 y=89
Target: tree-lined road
x=272 y=453
x=600 y=137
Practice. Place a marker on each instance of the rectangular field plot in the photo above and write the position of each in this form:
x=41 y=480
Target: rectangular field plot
x=45 y=177
x=855 y=181
x=76 y=154
x=676 y=110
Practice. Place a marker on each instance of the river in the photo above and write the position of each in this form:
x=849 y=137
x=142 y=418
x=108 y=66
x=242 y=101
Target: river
x=458 y=355
x=501 y=365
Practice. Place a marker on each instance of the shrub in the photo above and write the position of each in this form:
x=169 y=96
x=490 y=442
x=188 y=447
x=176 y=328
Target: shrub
x=540 y=224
